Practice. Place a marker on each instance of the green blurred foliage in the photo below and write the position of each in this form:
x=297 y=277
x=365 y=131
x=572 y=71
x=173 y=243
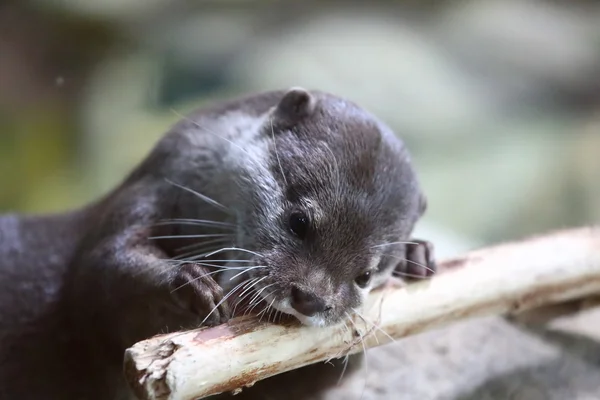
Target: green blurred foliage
x=34 y=157
x=86 y=88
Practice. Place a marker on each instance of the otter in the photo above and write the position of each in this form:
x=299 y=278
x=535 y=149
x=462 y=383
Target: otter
x=299 y=198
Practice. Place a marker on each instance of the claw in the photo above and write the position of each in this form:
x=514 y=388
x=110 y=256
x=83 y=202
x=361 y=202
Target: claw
x=419 y=261
x=195 y=290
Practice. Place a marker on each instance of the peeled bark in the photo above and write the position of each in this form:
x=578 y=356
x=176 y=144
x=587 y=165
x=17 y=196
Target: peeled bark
x=504 y=279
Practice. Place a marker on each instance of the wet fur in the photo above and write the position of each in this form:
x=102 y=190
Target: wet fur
x=80 y=287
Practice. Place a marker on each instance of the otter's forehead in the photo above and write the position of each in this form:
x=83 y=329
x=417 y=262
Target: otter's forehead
x=343 y=152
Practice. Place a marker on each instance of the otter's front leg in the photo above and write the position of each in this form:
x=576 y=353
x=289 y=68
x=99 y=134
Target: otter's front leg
x=419 y=262
x=176 y=294
x=127 y=290
x=194 y=288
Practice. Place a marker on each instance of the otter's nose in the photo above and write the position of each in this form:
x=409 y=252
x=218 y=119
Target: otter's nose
x=307 y=303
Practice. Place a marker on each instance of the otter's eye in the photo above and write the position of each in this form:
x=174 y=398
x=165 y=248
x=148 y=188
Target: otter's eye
x=299 y=224
x=363 y=280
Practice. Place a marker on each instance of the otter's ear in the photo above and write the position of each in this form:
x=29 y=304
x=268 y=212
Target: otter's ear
x=297 y=103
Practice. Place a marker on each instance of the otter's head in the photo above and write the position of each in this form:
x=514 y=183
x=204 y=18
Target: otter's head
x=325 y=212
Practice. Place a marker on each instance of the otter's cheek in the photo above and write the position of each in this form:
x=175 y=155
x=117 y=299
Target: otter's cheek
x=382 y=278
x=364 y=295
x=359 y=300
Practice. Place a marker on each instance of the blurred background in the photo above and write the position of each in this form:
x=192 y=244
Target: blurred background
x=498 y=100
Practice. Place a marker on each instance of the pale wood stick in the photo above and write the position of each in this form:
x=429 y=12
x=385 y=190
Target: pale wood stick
x=502 y=279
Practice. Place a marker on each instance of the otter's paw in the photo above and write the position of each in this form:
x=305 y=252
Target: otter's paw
x=419 y=262
x=195 y=290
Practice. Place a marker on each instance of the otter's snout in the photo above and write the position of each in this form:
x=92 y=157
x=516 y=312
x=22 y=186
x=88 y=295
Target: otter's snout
x=307 y=303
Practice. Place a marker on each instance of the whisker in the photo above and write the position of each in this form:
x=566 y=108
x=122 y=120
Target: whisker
x=346 y=359
x=191 y=258
x=391 y=243
x=270 y=308
x=257 y=298
x=270 y=293
x=231 y=249
x=270 y=312
x=347 y=328
x=214 y=261
x=203 y=221
x=240 y=298
x=201 y=244
x=410 y=261
x=228 y=268
x=221 y=302
x=261 y=312
x=190 y=236
x=247 y=289
x=253 y=285
x=208 y=254
x=362 y=341
x=193 y=280
x=407 y=275
x=421 y=265
x=257 y=295
x=205 y=198
x=366 y=320
x=276 y=153
x=264 y=311
x=220 y=268
x=183 y=332
x=211 y=224
x=349 y=332
x=246 y=269
x=194 y=257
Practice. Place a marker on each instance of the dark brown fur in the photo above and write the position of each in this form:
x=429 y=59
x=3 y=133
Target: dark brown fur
x=80 y=287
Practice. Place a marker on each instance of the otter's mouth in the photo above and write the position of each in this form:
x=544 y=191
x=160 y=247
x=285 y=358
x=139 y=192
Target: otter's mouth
x=269 y=307
x=284 y=305
x=270 y=302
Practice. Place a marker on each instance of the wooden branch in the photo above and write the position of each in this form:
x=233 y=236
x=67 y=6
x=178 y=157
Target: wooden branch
x=502 y=279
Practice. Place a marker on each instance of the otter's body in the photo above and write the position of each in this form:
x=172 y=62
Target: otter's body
x=304 y=196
